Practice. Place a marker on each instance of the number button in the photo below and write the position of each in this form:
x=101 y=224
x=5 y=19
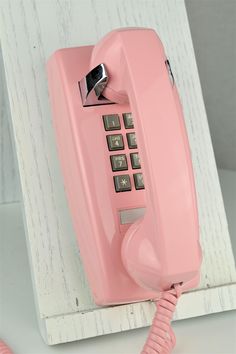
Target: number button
x=122 y=183
x=131 y=138
x=128 y=120
x=135 y=161
x=138 y=181
x=115 y=142
x=111 y=122
x=119 y=162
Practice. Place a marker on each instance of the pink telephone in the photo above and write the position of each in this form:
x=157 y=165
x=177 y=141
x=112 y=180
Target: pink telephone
x=127 y=169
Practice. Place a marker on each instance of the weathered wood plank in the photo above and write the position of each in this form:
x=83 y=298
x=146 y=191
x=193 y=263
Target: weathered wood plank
x=9 y=183
x=93 y=323
x=31 y=30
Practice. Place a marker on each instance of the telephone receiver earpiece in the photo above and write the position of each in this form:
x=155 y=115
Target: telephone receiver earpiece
x=162 y=248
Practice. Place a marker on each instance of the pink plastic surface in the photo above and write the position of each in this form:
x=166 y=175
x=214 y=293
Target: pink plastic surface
x=127 y=263
x=4 y=349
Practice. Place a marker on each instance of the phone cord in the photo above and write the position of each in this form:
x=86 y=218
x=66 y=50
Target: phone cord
x=4 y=348
x=161 y=338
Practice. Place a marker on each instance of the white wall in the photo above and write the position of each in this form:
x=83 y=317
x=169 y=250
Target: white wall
x=213 y=29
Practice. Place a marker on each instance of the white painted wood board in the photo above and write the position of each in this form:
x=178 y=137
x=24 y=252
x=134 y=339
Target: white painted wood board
x=9 y=183
x=30 y=32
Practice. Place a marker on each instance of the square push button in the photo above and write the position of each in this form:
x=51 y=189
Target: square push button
x=111 y=122
x=135 y=161
x=138 y=181
x=115 y=142
x=128 y=120
x=119 y=162
x=131 y=138
x=122 y=183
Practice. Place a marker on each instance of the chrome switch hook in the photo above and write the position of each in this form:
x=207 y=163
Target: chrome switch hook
x=92 y=85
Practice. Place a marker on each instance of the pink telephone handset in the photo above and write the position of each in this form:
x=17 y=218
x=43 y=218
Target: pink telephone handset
x=124 y=150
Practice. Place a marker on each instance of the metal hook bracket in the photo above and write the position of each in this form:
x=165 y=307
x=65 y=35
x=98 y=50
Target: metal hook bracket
x=92 y=85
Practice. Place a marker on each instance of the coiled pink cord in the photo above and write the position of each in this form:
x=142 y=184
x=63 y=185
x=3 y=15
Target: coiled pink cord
x=4 y=348
x=161 y=338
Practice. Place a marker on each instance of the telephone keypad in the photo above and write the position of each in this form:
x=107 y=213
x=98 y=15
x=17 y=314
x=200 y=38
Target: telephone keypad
x=135 y=161
x=115 y=142
x=111 y=122
x=119 y=162
x=122 y=183
x=131 y=139
x=138 y=181
x=128 y=120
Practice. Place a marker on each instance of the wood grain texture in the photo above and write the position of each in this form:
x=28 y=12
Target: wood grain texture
x=31 y=31
x=9 y=183
x=111 y=320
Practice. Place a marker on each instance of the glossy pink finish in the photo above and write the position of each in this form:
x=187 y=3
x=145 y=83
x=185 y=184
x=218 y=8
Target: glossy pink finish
x=162 y=248
x=169 y=232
